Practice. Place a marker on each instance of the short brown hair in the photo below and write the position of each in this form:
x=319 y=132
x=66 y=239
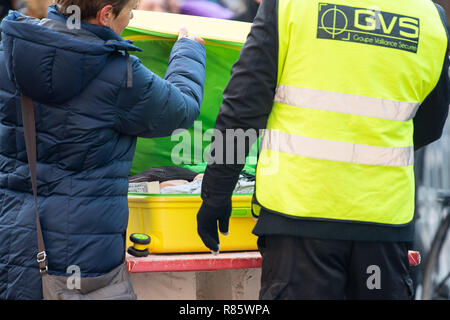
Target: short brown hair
x=89 y=8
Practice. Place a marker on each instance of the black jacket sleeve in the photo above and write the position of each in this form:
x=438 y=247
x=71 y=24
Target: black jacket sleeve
x=247 y=103
x=432 y=114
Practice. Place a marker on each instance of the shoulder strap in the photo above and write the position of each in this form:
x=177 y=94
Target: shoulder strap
x=29 y=128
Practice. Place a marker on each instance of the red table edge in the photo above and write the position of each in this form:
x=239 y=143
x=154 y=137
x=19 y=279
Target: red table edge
x=209 y=262
x=194 y=262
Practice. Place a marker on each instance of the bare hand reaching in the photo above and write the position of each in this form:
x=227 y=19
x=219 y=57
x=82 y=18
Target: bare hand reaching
x=185 y=34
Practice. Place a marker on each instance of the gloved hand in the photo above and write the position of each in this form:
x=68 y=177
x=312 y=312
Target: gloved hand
x=207 y=219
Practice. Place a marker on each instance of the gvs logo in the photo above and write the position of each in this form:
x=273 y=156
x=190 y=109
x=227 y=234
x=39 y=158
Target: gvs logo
x=407 y=27
x=368 y=26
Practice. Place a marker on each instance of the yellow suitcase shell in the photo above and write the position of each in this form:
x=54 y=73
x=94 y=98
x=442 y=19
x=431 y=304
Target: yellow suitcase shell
x=170 y=221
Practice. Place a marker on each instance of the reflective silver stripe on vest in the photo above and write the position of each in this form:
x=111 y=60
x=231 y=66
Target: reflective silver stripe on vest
x=337 y=150
x=346 y=103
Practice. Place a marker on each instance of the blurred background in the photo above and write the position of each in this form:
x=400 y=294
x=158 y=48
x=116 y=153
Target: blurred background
x=241 y=10
x=432 y=168
x=33 y=8
x=446 y=5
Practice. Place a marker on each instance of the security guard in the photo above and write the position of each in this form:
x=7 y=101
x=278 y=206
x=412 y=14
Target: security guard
x=346 y=92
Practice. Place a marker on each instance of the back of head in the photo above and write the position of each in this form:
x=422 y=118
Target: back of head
x=90 y=8
x=56 y=63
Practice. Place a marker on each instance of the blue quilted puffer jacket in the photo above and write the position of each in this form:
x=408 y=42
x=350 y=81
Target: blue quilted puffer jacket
x=87 y=120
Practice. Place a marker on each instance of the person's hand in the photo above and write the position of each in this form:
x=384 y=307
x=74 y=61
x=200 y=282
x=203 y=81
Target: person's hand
x=185 y=34
x=207 y=219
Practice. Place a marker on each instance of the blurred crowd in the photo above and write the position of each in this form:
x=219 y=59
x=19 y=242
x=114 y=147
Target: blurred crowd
x=32 y=8
x=240 y=10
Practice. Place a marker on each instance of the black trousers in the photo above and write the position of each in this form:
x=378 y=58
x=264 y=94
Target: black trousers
x=303 y=268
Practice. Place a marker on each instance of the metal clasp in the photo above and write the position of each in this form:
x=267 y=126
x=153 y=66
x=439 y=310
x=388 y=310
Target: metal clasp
x=41 y=257
x=44 y=270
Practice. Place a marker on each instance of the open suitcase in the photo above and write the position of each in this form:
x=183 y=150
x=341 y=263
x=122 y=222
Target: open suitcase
x=170 y=222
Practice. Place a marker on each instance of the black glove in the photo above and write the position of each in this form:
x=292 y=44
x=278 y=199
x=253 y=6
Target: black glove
x=207 y=219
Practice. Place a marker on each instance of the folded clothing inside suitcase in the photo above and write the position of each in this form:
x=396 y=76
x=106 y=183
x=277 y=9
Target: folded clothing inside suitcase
x=163 y=174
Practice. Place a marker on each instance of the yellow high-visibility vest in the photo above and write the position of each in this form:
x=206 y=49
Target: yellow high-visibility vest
x=351 y=77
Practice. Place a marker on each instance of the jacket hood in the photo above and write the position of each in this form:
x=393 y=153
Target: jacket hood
x=51 y=63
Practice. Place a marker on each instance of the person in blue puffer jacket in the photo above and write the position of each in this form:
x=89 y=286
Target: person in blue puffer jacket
x=92 y=100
